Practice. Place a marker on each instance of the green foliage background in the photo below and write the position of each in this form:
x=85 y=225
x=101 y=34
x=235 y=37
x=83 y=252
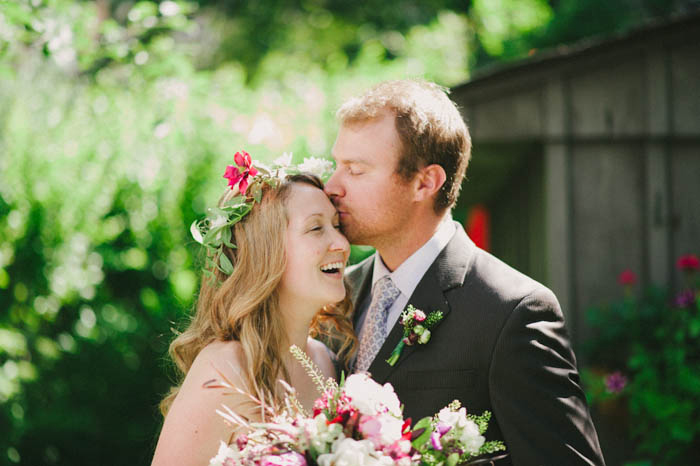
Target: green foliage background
x=116 y=120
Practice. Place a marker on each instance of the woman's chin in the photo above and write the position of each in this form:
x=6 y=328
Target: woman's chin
x=333 y=298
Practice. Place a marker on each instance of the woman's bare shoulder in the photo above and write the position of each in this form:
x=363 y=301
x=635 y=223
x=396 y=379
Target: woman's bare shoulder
x=225 y=357
x=192 y=429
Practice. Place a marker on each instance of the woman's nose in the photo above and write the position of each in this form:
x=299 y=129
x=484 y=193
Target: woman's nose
x=340 y=242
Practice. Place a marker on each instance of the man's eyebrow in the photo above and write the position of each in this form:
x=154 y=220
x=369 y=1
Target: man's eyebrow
x=353 y=161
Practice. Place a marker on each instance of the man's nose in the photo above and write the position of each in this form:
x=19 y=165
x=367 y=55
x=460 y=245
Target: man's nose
x=333 y=187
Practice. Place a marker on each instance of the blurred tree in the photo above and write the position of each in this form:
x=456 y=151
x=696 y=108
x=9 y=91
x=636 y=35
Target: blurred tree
x=509 y=29
x=245 y=32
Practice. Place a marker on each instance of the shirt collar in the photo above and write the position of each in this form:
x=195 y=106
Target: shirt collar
x=411 y=271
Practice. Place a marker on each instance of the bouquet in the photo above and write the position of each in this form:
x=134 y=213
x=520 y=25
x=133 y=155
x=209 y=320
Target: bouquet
x=354 y=422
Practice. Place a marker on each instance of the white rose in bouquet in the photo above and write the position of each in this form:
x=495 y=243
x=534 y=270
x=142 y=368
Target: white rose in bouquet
x=453 y=418
x=369 y=397
x=471 y=439
x=350 y=452
x=382 y=429
x=225 y=452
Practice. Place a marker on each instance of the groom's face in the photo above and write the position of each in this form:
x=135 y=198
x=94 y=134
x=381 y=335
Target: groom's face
x=372 y=199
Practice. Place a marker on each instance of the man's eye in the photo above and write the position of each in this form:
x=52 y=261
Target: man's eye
x=337 y=226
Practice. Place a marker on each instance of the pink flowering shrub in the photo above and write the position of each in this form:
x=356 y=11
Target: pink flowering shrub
x=645 y=354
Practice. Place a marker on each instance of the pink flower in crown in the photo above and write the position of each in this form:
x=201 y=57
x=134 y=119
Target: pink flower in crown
x=239 y=175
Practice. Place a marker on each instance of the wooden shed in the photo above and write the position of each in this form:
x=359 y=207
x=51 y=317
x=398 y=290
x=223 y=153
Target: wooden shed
x=587 y=161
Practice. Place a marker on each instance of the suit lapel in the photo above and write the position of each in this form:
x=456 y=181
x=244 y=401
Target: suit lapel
x=448 y=271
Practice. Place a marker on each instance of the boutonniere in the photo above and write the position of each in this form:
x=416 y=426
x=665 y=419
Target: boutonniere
x=416 y=329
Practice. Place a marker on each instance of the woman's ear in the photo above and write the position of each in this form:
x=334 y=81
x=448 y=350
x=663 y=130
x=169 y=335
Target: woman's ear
x=429 y=181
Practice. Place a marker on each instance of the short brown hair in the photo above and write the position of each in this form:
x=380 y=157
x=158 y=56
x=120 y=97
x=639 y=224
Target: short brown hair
x=429 y=126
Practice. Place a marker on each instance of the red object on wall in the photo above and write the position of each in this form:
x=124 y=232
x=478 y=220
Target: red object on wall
x=479 y=226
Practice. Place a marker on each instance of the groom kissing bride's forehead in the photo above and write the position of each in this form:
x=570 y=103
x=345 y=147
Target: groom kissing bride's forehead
x=401 y=154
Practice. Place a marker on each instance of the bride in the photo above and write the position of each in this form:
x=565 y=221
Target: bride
x=285 y=285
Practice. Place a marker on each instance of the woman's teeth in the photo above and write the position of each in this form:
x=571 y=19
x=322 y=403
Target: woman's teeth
x=332 y=267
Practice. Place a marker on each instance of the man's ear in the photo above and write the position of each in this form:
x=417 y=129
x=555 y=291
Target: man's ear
x=429 y=180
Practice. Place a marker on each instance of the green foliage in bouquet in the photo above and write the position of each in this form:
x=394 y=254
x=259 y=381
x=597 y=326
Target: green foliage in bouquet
x=647 y=356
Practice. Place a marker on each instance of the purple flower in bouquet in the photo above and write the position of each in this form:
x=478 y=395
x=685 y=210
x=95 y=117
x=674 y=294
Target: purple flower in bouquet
x=615 y=382
x=435 y=440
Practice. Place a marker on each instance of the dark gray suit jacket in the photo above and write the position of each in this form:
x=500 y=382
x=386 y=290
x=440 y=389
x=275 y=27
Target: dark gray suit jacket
x=502 y=346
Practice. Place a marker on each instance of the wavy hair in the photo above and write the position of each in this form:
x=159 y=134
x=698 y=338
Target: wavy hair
x=245 y=305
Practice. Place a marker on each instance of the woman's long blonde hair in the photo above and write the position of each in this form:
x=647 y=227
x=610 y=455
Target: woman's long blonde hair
x=244 y=306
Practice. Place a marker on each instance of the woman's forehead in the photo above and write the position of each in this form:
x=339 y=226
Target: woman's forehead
x=306 y=201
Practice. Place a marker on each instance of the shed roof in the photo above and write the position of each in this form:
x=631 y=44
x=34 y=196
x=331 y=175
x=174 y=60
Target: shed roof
x=585 y=49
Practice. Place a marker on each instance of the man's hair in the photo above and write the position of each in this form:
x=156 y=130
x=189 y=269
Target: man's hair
x=430 y=128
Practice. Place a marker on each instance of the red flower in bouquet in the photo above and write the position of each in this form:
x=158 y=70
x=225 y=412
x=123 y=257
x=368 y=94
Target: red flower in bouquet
x=239 y=175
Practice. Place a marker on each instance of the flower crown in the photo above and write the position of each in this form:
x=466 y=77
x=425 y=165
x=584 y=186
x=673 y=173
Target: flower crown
x=214 y=231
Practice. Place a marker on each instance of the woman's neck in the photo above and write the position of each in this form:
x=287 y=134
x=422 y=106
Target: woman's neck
x=296 y=318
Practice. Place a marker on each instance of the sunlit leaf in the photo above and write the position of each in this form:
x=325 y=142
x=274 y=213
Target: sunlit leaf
x=225 y=264
x=196 y=234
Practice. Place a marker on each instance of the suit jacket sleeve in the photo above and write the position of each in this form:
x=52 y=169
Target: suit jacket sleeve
x=535 y=390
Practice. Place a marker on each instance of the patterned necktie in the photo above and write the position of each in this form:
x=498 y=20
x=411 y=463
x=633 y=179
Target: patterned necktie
x=375 y=331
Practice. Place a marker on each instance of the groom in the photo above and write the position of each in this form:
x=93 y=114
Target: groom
x=401 y=154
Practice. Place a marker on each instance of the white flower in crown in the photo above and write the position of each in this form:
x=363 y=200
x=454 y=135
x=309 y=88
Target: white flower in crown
x=283 y=161
x=317 y=166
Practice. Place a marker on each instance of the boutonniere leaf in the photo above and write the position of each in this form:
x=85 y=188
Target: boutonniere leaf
x=417 y=328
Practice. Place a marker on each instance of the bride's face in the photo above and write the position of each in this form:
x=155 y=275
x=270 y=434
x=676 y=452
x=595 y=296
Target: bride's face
x=316 y=249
